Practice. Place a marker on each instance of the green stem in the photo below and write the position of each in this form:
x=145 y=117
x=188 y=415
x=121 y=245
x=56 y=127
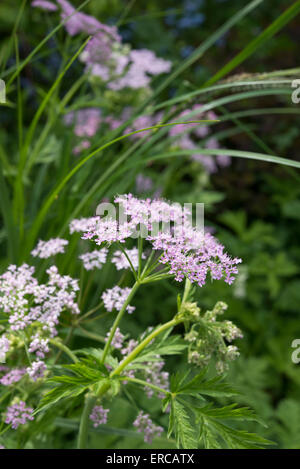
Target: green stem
x=65 y=349
x=143 y=344
x=140 y=246
x=130 y=263
x=84 y=422
x=145 y=383
x=118 y=319
x=92 y=335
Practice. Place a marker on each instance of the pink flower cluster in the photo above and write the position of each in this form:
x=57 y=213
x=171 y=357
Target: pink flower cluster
x=26 y=302
x=18 y=414
x=121 y=262
x=99 y=416
x=36 y=370
x=79 y=225
x=155 y=375
x=95 y=259
x=118 y=338
x=13 y=376
x=188 y=252
x=46 y=249
x=144 y=425
x=114 y=298
x=105 y=58
x=44 y=5
x=183 y=135
x=85 y=121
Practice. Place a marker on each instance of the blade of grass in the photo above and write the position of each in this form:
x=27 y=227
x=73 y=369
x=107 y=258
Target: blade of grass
x=110 y=174
x=249 y=50
x=18 y=190
x=199 y=52
x=221 y=87
x=228 y=152
x=13 y=34
x=7 y=213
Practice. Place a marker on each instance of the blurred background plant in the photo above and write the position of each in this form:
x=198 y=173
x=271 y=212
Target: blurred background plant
x=252 y=205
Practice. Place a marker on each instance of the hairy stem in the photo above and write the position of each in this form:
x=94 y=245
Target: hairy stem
x=145 y=383
x=143 y=344
x=118 y=319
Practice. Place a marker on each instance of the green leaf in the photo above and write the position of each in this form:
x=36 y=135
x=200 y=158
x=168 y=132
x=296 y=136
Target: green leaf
x=213 y=430
x=214 y=387
x=57 y=394
x=96 y=355
x=173 y=345
x=180 y=424
x=267 y=34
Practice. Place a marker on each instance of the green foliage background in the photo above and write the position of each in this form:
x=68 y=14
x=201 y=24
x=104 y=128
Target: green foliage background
x=254 y=206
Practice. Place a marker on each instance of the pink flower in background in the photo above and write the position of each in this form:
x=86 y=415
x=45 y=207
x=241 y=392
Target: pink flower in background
x=44 y=5
x=117 y=341
x=86 y=121
x=83 y=224
x=144 y=425
x=84 y=145
x=121 y=261
x=185 y=133
x=36 y=370
x=45 y=249
x=26 y=301
x=13 y=376
x=82 y=23
x=95 y=259
x=18 y=414
x=99 y=416
x=143 y=184
x=146 y=60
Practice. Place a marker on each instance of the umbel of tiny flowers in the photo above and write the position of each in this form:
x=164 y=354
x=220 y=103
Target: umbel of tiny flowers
x=144 y=424
x=99 y=416
x=46 y=249
x=18 y=414
x=32 y=311
x=186 y=251
x=13 y=376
